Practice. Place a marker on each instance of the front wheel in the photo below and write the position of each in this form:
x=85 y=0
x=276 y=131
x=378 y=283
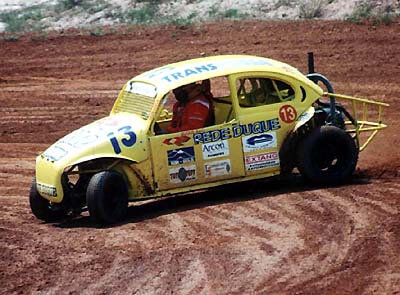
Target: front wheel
x=328 y=155
x=42 y=208
x=107 y=197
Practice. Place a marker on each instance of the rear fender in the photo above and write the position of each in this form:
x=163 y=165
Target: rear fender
x=304 y=118
x=288 y=148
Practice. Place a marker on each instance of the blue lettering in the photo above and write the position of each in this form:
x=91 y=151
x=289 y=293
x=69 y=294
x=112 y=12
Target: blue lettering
x=263 y=126
x=189 y=72
x=114 y=143
x=246 y=130
x=177 y=76
x=131 y=136
x=275 y=124
x=202 y=69
x=269 y=125
x=198 y=138
x=215 y=135
x=257 y=127
x=212 y=67
x=166 y=78
x=226 y=133
x=207 y=137
x=237 y=131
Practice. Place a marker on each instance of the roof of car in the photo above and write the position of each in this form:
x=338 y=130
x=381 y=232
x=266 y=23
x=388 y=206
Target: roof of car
x=171 y=76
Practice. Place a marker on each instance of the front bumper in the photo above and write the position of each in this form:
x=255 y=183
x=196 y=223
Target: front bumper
x=48 y=179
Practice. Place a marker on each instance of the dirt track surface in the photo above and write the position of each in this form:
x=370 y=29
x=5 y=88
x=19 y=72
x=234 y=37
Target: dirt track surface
x=266 y=237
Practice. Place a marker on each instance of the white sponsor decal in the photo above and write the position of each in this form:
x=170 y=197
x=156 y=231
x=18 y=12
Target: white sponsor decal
x=259 y=141
x=141 y=88
x=88 y=136
x=261 y=161
x=217 y=168
x=47 y=190
x=215 y=149
x=181 y=174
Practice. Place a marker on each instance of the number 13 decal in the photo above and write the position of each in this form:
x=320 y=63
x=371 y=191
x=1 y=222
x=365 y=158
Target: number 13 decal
x=288 y=114
x=129 y=139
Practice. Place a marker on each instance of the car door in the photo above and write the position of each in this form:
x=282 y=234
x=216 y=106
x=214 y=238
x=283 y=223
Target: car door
x=267 y=110
x=199 y=156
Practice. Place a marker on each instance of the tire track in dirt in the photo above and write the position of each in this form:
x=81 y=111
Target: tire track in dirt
x=363 y=215
x=328 y=265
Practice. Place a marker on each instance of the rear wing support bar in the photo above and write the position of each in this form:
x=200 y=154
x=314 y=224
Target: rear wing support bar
x=362 y=110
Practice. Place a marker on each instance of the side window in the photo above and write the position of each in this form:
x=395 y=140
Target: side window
x=223 y=109
x=195 y=105
x=253 y=92
x=220 y=87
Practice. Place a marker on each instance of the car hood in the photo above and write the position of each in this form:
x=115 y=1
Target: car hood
x=121 y=135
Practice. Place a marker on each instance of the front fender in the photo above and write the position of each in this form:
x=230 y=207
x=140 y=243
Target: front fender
x=120 y=136
x=49 y=174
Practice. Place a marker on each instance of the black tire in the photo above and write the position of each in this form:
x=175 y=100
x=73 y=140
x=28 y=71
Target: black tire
x=42 y=208
x=107 y=197
x=328 y=155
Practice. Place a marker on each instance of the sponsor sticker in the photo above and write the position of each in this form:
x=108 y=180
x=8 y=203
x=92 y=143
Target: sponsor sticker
x=181 y=156
x=76 y=140
x=179 y=141
x=141 y=88
x=288 y=114
x=259 y=142
x=55 y=153
x=261 y=161
x=217 y=168
x=182 y=174
x=215 y=149
x=235 y=131
x=47 y=190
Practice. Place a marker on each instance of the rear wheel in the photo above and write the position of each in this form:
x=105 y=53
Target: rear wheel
x=328 y=155
x=42 y=208
x=107 y=197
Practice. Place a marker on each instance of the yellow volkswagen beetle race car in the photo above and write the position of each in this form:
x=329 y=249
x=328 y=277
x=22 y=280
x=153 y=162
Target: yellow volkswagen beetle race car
x=268 y=119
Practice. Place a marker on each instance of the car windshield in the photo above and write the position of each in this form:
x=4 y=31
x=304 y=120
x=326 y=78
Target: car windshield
x=137 y=98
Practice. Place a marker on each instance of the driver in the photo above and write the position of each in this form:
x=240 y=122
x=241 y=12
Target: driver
x=193 y=109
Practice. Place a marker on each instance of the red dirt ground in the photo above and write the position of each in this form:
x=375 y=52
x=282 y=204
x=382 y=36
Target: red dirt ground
x=279 y=237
